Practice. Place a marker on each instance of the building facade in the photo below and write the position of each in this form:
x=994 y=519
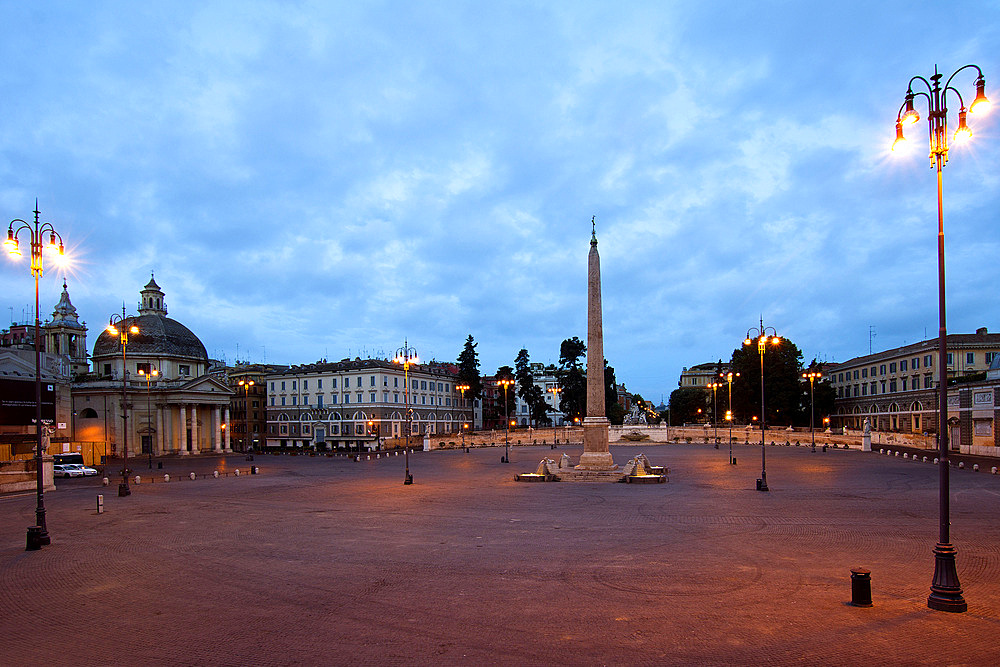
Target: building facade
x=896 y=390
x=248 y=408
x=172 y=403
x=354 y=404
x=702 y=375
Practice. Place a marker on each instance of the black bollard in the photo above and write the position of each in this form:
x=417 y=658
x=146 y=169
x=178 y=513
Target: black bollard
x=861 y=587
x=34 y=541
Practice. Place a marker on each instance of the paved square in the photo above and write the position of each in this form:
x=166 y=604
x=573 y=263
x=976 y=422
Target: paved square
x=327 y=561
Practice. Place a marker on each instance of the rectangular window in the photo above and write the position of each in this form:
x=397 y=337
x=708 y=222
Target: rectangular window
x=385 y=397
x=864 y=390
x=305 y=385
x=371 y=397
x=840 y=377
x=892 y=386
x=883 y=386
x=902 y=366
x=423 y=385
x=272 y=386
x=395 y=382
x=319 y=400
x=970 y=357
x=423 y=400
x=282 y=385
x=928 y=381
x=855 y=391
x=184 y=369
x=875 y=371
x=874 y=388
x=294 y=399
x=881 y=370
x=319 y=383
x=951 y=360
x=107 y=371
x=395 y=398
x=990 y=356
x=347 y=398
x=916 y=363
x=294 y=382
x=855 y=375
x=904 y=384
x=440 y=386
x=305 y=399
x=272 y=400
x=928 y=360
x=373 y=383
x=282 y=400
x=333 y=399
x=864 y=372
x=892 y=367
x=447 y=402
x=347 y=383
x=359 y=398
x=333 y=383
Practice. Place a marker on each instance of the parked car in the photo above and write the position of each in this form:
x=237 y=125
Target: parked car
x=66 y=470
x=87 y=472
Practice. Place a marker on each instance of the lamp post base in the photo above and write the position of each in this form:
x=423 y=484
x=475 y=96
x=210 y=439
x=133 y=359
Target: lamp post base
x=123 y=490
x=946 y=591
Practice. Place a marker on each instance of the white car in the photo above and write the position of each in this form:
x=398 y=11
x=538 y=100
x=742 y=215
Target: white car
x=66 y=470
x=87 y=472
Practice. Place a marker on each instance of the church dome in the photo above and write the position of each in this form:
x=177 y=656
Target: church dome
x=158 y=336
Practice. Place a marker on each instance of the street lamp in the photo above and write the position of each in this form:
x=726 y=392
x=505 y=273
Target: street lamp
x=406 y=355
x=463 y=388
x=118 y=326
x=246 y=384
x=38 y=535
x=506 y=382
x=812 y=376
x=714 y=386
x=149 y=377
x=946 y=591
x=763 y=338
x=729 y=413
x=555 y=399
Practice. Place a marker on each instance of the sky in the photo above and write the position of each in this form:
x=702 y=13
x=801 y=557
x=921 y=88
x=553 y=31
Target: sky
x=315 y=180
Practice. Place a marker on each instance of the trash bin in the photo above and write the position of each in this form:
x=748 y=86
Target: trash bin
x=861 y=587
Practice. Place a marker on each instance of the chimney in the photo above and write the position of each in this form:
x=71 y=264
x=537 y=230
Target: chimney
x=981 y=331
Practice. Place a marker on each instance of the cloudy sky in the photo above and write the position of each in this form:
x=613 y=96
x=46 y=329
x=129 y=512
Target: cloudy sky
x=324 y=179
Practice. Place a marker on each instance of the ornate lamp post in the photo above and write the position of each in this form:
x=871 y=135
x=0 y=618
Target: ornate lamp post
x=406 y=355
x=729 y=413
x=118 y=326
x=555 y=399
x=38 y=535
x=714 y=386
x=246 y=384
x=153 y=373
x=506 y=382
x=463 y=388
x=763 y=338
x=812 y=406
x=946 y=591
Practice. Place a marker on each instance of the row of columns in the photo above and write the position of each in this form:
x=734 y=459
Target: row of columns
x=187 y=418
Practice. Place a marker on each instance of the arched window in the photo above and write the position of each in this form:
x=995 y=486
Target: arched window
x=305 y=417
x=282 y=417
x=88 y=413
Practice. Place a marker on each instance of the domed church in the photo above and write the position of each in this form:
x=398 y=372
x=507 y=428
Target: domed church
x=174 y=405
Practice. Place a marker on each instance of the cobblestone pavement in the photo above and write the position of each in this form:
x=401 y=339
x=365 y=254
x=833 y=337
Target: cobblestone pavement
x=327 y=561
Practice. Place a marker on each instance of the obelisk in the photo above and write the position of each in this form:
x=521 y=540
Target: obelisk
x=595 y=425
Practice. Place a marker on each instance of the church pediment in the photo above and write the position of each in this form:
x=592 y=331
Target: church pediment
x=205 y=383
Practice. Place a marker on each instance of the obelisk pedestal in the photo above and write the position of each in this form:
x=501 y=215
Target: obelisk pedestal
x=595 y=425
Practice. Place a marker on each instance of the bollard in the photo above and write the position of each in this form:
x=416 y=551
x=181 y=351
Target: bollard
x=824 y=447
x=881 y=451
x=105 y=481
x=975 y=467
x=166 y=478
x=100 y=503
x=254 y=470
x=925 y=459
x=861 y=587
x=733 y=461
x=993 y=470
x=935 y=460
x=215 y=474
x=961 y=464
x=193 y=476
x=237 y=472
x=138 y=479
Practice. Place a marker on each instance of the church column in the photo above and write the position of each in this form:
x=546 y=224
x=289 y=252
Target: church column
x=216 y=430
x=229 y=427
x=194 y=430
x=182 y=441
x=159 y=431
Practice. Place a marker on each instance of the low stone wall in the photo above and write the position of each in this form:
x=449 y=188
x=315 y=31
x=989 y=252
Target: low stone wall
x=22 y=476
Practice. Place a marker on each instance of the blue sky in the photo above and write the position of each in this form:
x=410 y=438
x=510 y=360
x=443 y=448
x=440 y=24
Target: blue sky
x=321 y=180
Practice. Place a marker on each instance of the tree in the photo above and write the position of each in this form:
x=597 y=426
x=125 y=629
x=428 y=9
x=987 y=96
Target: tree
x=537 y=406
x=529 y=392
x=782 y=388
x=573 y=400
x=685 y=403
x=823 y=396
x=468 y=370
x=613 y=410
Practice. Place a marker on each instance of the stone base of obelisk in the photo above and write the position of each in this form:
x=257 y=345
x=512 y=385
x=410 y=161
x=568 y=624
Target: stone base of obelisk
x=595 y=446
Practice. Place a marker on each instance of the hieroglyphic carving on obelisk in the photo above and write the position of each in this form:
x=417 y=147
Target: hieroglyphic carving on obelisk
x=595 y=425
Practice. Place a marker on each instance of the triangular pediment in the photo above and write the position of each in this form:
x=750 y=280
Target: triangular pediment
x=205 y=383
